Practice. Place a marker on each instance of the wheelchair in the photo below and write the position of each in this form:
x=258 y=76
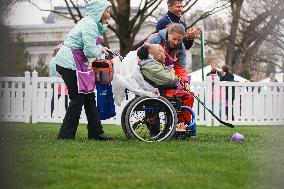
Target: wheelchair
x=155 y=119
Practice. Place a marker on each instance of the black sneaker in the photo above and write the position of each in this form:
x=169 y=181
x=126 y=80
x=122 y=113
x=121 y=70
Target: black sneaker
x=101 y=137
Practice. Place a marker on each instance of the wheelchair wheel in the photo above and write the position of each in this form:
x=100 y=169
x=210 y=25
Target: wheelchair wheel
x=123 y=119
x=150 y=119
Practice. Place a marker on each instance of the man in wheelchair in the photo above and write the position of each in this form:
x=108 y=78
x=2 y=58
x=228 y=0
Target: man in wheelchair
x=162 y=62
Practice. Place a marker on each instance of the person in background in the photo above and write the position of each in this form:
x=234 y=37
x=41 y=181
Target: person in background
x=226 y=75
x=71 y=62
x=214 y=72
x=272 y=79
x=175 y=9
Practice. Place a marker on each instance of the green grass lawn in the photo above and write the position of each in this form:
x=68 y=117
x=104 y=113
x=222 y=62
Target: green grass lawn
x=37 y=160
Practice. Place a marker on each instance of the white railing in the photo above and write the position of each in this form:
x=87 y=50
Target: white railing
x=252 y=103
x=15 y=99
x=30 y=99
x=42 y=94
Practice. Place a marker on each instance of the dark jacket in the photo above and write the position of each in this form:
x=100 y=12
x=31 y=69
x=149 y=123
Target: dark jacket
x=166 y=20
x=227 y=77
x=214 y=73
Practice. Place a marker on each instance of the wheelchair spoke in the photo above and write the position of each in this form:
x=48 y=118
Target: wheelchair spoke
x=142 y=123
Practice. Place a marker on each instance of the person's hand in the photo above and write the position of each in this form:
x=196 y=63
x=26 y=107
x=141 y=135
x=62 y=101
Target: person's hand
x=186 y=86
x=105 y=52
x=157 y=51
x=105 y=49
x=193 y=33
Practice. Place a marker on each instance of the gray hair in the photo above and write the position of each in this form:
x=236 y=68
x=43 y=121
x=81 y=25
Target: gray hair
x=176 y=28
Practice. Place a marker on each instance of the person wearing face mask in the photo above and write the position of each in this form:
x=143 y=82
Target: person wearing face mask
x=71 y=62
x=175 y=9
x=171 y=40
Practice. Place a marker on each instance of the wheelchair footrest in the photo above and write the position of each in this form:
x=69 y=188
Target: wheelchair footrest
x=184 y=131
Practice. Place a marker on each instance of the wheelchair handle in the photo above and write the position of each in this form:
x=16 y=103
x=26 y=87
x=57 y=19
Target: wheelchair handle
x=113 y=53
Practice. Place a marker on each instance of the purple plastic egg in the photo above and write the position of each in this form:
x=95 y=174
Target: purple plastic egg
x=237 y=137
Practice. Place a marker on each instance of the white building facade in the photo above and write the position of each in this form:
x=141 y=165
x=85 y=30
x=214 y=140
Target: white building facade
x=41 y=39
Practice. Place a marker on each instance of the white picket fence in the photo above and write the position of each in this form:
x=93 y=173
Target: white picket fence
x=28 y=99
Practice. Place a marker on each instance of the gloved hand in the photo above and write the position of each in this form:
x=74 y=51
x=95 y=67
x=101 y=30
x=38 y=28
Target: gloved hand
x=104 y=50
x=186 y=86
x=182 y=85
x=178 y=84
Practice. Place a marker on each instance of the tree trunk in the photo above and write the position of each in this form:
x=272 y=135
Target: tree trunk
x=126 y=47
x=123 y=27
x=236 y=8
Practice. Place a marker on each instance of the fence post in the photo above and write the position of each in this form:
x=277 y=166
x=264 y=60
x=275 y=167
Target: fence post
x=208 y=100
x=27 y=99
x=34 y=96
x=216 y=100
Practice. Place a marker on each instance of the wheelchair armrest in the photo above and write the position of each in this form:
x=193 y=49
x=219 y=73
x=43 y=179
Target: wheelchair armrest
x=165 y=87
x=162 y=88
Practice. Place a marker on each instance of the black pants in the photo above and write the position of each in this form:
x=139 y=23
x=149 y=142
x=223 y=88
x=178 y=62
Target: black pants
x=77 y=100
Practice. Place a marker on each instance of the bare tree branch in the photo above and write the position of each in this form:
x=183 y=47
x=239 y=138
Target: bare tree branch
x=189 y=6
x=143 y=18
x=127 y=26
x=211 y=12
x=77 y=8
x=63 y=14
x=116 y=32
x=70 y=11
x=114 y=14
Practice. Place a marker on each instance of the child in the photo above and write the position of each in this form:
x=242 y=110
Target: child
x=152 y=58
x=72 y=64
